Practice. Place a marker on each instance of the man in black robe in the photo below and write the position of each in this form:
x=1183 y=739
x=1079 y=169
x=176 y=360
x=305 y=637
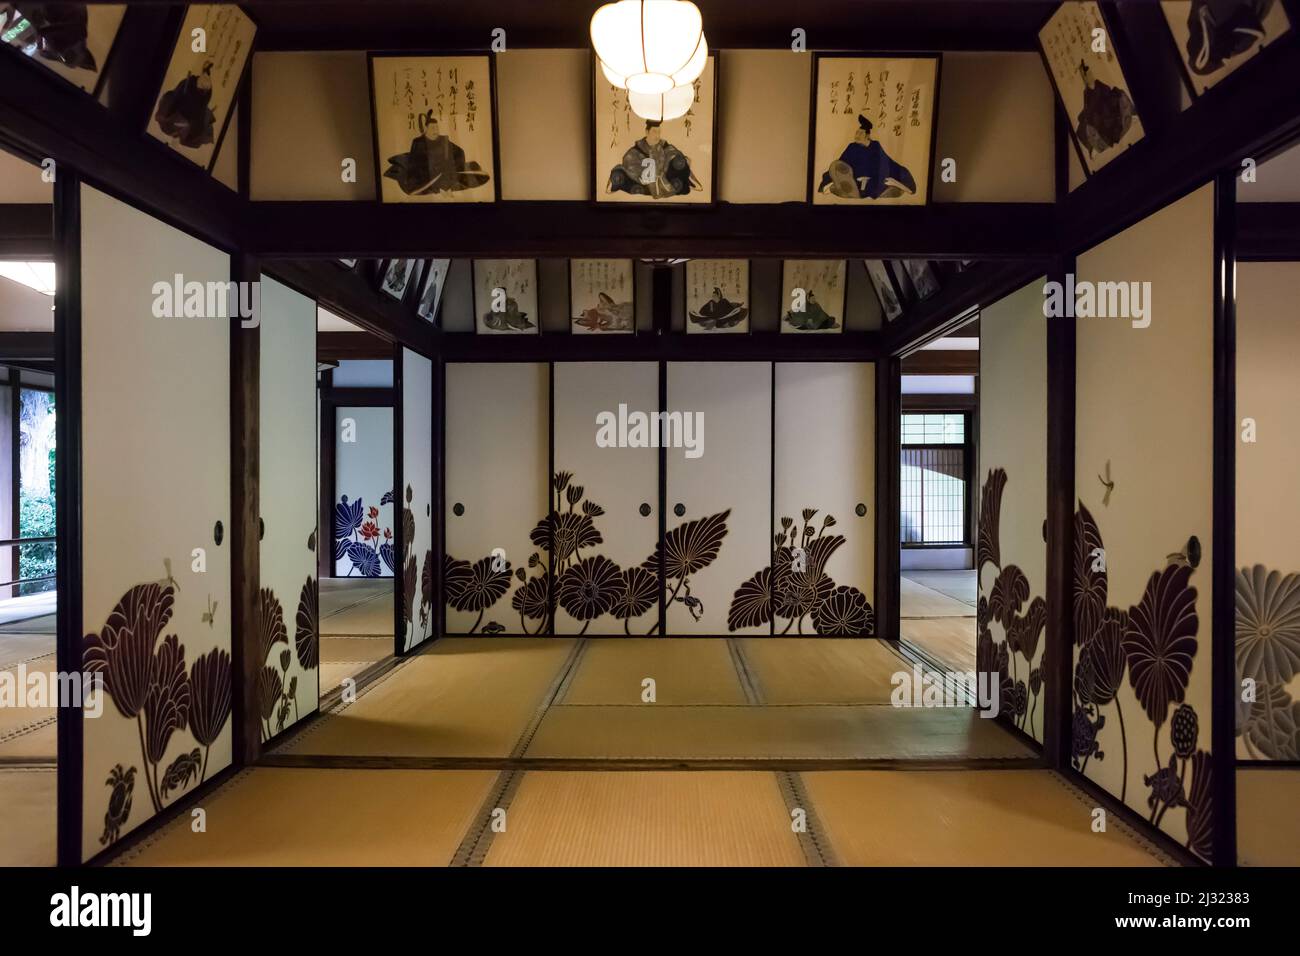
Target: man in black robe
x=865 y=171
x=653 y=167
x=185 y=111
x=433 y=164
x=1106 y=116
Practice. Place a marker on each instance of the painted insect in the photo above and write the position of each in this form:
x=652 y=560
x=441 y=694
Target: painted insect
x=119 y=802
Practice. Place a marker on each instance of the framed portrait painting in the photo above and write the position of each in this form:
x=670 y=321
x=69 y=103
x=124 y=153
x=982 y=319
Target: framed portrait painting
x=1215 y=37
x=812 y=295
x=434 y=128
x=602 y=296
x=505 y=297
x=924 y=279
x=396 y=278
x=202 y=80
x=886 y=292
x=431 y=286
x=873 y=129
x=73 y=40
x=1090 y=84
x=717 y=295
x=657 y=162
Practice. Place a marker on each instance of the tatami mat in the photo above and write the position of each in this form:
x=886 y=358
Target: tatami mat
x=684 y=671
x=1268 y=816
x=917 y=600
x=959 y=585
x=466 y=697
x=27 y=816
x=964 y=818
x=647 y=819
x=335 y=650
x=836 y=732
x=313 y=817
x=373 y=616
x=947 y=640
x=30 y=731
x=819 y=670
x=25 y=647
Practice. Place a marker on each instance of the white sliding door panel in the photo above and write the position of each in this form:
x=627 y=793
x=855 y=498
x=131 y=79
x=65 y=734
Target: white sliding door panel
x=825 y=472
x=155 y=472
x=601 y=586
x=363 y=536
x=722 y=538
x=498 y=455
x=287 y=485
x=418 y=568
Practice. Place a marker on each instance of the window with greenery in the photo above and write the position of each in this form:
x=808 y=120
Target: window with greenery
x=36 y=488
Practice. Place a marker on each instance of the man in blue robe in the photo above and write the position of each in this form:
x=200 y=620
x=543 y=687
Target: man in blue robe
x=865 y=171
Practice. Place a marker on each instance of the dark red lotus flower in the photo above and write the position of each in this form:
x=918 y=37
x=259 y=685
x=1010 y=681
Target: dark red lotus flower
x=209 y=695
x=369 y=530
x=306 y=634
x=167 y=706
x=123 y=651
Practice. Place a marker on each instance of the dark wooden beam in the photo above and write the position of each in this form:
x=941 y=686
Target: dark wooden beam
x=27 y=230
x=325 y=492
x=361 y=397
x=1267 y=231
x=26 y=347
x=942 y=362
x=47 y=117
x=1246 y=116
x=245 y=508
x=967 y=403
x=340 y=346
x=351 y=294
x=649 y=346
x=982 y=285
x=563 y=229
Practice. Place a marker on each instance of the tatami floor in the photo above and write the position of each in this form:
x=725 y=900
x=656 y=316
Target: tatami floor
x=28 y=738
x=356 y=627
x=744 y=752
x=937 y=616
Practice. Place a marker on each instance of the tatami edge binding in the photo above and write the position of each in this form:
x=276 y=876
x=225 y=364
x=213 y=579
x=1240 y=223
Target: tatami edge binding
x=1141 y=839
x=814 y=842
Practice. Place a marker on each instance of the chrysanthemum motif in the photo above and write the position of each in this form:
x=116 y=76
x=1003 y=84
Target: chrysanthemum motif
x=456 y=576
x=639 y=593
x=844 y=613
x=306 y=633
x=483 y=587
x=589 y=588
x=532 y=598
x=1271 y=727
x=1008 y=595
x=1268 y=625
x=1160 y=641
x=1104 y=658
x=800 y=592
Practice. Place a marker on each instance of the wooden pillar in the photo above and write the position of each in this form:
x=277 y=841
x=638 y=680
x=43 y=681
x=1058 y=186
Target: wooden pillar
x=245 y=538
x=889 y=377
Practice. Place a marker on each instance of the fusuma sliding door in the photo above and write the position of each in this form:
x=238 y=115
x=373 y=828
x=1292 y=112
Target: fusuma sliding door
x=606 y=498
x=417 y=560
x=718 y=493
x=498 y=463
x=824 y=497
x=156 y=557
x=288 y=681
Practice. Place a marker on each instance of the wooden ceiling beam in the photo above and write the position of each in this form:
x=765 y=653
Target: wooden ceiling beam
x=563 y=229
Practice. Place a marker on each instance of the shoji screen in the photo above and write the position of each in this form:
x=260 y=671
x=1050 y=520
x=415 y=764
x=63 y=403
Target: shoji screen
x=825 y=474
x=155 y=410
x=1143 y=477
x=288 y=687
x=718 y=493
x=417 y=559
x=607 y=514
x=363 y=492
x=498 y=457
x=1011 y=555
x=1268 y=564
